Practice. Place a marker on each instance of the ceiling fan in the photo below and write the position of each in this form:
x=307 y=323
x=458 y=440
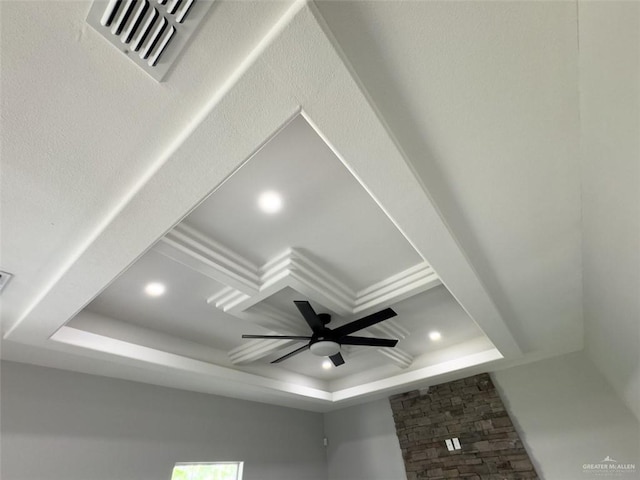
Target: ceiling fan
x=326 y=342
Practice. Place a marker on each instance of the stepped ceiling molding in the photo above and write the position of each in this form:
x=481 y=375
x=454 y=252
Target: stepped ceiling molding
x=358 y=232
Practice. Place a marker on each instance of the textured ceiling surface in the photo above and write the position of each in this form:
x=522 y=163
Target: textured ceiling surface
x=81 y=126
x=451 y=133
x=487 y=110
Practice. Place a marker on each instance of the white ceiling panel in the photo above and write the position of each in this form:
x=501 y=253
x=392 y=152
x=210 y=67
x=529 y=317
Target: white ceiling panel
x=325 y=212
x=182 y=311
x=483 y=97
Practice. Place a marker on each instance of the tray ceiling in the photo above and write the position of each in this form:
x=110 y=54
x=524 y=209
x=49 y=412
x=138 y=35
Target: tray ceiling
x=231 y=268
x=383 y=204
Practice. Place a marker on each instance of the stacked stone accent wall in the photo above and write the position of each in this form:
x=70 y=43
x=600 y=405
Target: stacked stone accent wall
x=471 y=410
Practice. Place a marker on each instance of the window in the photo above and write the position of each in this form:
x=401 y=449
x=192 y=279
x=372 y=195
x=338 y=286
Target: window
x=207 y=471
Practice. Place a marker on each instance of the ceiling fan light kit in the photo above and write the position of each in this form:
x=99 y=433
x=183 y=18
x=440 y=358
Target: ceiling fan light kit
x=324 y=348
x=326 y=342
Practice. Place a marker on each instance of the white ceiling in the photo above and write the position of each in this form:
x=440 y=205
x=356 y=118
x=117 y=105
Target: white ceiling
x=326 y=212
x=610 y=117
x=487 y=111
x=328 y=218
x=81 y=126
x=450 y=134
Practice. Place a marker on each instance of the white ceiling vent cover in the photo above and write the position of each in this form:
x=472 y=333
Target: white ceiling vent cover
x=152 y=33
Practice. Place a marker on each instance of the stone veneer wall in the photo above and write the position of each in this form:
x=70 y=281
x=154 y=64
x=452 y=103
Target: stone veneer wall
x=471 y=410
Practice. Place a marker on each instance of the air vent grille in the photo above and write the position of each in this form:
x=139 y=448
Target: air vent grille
x=152 y=33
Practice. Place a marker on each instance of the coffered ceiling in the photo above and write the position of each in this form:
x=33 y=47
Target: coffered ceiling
x=411 y=147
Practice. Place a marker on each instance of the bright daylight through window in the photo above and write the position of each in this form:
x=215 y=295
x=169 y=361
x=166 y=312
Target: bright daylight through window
x=207 y=471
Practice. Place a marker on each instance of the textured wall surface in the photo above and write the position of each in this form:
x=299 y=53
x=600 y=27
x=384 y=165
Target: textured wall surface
x=363 y=444
x=471 y=410
x=59 y=425
x=567 y=415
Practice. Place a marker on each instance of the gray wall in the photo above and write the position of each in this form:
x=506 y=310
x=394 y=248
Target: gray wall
x=363 y=444
x=59 y=425
x=71 y=426
x=568 y=415
x=610 y=113
x=563 y=408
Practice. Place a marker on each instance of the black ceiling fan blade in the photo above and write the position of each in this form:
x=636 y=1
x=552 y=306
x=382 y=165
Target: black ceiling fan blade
x=368 y=341
x=291 y=354
x=282 y=337
x=310 y=315
x=364 y=322
x=337 y=359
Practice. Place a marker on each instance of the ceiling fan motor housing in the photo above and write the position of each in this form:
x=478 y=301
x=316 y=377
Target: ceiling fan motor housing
x=326 y=342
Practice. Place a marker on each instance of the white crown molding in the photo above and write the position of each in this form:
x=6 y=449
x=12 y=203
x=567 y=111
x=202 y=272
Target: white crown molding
x=390 y=328
x=272 y=317
x=99 y=324
x=272 y=272
x=256 y=349
x=190 y=247
x=397 y=356
x=228 y=298
x=417 y=376
x=206 y=372
x=304 y=270
x=102 y=343
x=402 y=285
x=291 y=268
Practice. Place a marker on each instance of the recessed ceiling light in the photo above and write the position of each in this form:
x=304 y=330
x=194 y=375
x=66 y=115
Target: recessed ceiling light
x=435 y=336
x=154 y=289
x=327 y=364
x=270 y=202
